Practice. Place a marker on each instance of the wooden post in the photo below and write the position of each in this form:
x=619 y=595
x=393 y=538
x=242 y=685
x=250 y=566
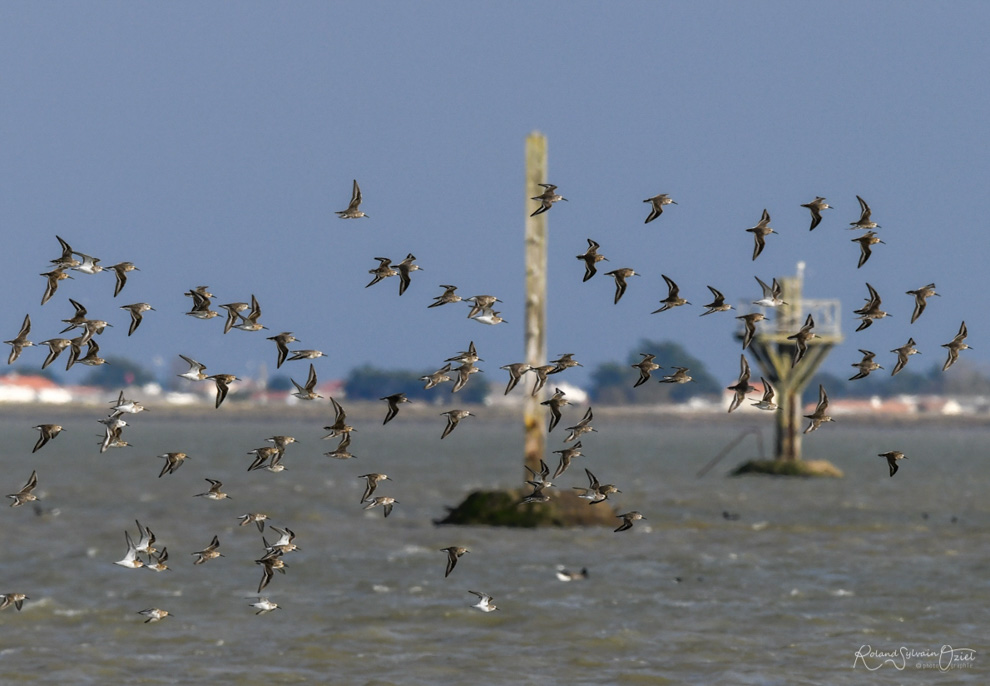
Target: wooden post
x=536 y=292
x=774 y=352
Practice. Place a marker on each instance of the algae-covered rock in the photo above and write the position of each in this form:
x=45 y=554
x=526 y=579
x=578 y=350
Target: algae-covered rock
x=789 y=468
x=503 y=508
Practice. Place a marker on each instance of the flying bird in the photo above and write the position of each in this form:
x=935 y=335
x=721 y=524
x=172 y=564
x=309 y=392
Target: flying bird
x=620 y=276
x=716 y=305
x=866 y=241
x=921 y=296
x=865 y=366
x=820 y=415
x=673 y=298
x=453 y=554
x=627 y=520
x=453 y=418
x=801 y=339
x=816 y=206
x=892 y=457
x=741 y=387
x=903 y=353
x=590 y=258
x=760 y=233
x=864 y=221
x=547 y=198
x=406 y=267
x=656 y=205
x=353 y=211
x=393 y=405
x=645 y=366
x=955 y=346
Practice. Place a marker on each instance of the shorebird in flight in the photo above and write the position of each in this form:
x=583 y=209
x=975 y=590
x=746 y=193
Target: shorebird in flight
x=766 y=403
x=760 y=233
x=921 y=296
x=385 y=501
x=282 y=341
x=645 y=367
x=865 y=241
x=393 y=405
x=210 y=552
x=555 y=402
x=223 y=382
x=48 y=432
x=453 y=418
x=484 y=603
x=749 y=322
x=25 y=495
x=453 y=554
x=741 y=387
x=871 y=310
x=264 y=605
x=955 y=346
x=340 y=425
x=15 y=599
x=307 y=391
x=448 y=296
x=154 y=614
x=21 y=341
x=353 y=211
x=673 y=298
x=516 y=370
x=214 y=493
x=51 y=285
x=627 y=520
x=120 y=270
x=382 y=271
x=771 y=294
x=864 y=221
x=801 y=339
x=656 y=205
x=547 y=198
x=172 y=462
x=816 y=206
x=566 y=455
x=582 y=427
x=892 y=457
x=405 y=267
x=591 y=258
x=820 y=415
x=464 y=373
x=903 y=353
x=865 y=366
x=130 y=559
x=136 y=311
x=371 y=483
x=436 y=378
x=620 y=276
x=716 y=305
x=679 y=376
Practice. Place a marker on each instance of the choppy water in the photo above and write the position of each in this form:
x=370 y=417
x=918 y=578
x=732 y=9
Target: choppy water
x=810 y=572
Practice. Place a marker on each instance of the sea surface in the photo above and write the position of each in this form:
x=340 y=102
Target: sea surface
x=729 y=580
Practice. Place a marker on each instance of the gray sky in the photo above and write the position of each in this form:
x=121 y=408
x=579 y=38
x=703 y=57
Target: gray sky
x=210 y=143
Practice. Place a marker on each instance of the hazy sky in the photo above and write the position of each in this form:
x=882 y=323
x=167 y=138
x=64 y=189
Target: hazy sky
x=211 y=143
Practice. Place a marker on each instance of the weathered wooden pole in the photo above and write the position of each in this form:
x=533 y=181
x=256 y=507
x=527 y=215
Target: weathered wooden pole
x=536 y=294
x=774 y=353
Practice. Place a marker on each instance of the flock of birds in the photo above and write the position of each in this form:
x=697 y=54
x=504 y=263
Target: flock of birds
x=245 y=316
